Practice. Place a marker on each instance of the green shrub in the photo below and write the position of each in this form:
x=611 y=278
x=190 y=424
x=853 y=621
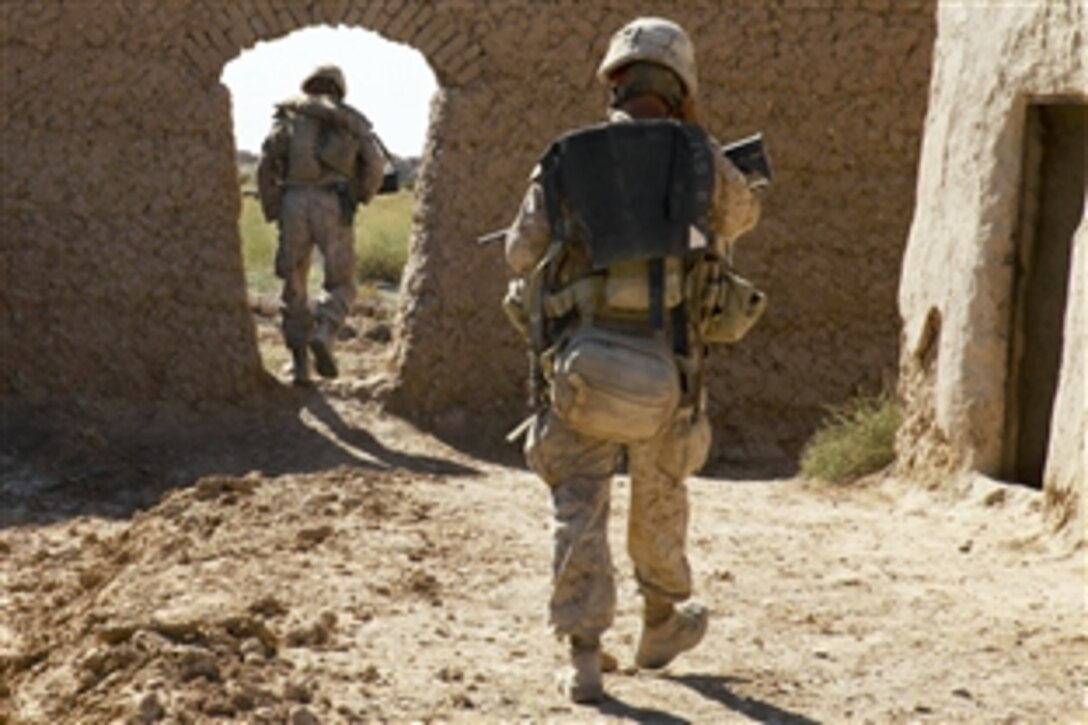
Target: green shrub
x=381 y=237
x=381 y=242
x=259 y=239
x=857 y=439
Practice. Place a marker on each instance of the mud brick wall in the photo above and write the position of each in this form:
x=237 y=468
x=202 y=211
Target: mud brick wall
x=122 y=272
x=957 y=292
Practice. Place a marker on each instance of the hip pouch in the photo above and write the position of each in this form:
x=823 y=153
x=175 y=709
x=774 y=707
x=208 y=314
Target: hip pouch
x=614 y=386
x=736 y=308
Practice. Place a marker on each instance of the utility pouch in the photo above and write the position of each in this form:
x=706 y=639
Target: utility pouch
x=731 y=306
x=614 y=386
x=346 y=197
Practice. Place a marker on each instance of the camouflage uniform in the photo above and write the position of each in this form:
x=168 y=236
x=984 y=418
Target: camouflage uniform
x=320 y=159
x=579 y=468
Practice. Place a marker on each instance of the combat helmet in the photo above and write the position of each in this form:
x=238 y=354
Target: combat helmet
x=330 y=73
x=656 y=40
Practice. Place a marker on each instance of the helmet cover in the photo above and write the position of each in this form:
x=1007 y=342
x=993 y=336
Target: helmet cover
x=655 y=40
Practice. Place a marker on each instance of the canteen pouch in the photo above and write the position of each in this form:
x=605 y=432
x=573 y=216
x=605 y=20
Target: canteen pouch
x=614 y=386
x=727 y=305
x=739 y=308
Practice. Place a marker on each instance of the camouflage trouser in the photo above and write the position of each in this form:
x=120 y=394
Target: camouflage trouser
x=311 y=216
x=579 y=470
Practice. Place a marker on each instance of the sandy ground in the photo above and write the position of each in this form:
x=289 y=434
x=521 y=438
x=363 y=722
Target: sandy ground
x=318 y=560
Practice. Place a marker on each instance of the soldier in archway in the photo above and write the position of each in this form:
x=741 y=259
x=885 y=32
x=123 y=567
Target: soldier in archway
x=622 y=251
x=319 y=162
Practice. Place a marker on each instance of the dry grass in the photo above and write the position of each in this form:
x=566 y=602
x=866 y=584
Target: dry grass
x=857 y=439
x=381 y=242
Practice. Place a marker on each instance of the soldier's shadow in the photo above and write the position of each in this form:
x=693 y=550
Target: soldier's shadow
x=619 y=709
x=712 y=687
x=717 y=688
x=384 y=457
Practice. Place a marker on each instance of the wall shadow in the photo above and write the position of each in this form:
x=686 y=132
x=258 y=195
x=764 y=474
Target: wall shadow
x=485 y=438
x=111 y=460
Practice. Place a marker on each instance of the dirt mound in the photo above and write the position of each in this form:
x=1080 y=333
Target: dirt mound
x=193 y=608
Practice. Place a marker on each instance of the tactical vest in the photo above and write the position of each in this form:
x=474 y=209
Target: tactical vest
x=303 y=165
x=321 y=147
x=628 y=205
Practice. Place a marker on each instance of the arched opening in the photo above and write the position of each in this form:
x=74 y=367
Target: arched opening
x=392 y=85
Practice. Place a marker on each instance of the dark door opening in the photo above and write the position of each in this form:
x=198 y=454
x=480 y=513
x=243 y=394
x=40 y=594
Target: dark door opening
x=1052 y=199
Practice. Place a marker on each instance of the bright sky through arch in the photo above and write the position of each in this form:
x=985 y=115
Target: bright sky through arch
x=389 y=82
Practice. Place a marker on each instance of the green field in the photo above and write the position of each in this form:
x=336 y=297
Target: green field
x=381 y=242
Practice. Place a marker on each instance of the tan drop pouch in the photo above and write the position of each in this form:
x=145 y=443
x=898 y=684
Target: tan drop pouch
x=737 y=307
x=724 y=304
x=614 y=386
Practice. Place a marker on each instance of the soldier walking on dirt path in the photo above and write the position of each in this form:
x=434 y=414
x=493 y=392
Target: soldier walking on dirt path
x=319 y=162
x=622 y=253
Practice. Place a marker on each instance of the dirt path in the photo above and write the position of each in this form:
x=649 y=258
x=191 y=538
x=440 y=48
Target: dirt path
x=363 y=571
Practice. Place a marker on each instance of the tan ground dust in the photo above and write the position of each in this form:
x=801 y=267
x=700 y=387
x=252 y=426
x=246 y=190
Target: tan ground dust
x=318 y=560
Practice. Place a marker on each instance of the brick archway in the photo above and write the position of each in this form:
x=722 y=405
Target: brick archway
x=121 y=261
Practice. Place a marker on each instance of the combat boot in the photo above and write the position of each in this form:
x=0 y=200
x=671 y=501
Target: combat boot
x=299 y=368
x=321 y=340
x=582 y=681
x=661 y=643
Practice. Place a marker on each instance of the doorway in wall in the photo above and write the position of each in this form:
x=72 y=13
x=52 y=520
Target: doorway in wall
x=1052 y=199
x=392 y=85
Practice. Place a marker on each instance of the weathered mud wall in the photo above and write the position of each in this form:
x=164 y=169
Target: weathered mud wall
x=956 y=296
x=839 y=89
x=122 y=273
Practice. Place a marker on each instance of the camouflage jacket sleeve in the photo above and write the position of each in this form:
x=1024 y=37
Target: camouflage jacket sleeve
x=370 y=162
x=528 y=237
x=271 y=167
x=735 y=209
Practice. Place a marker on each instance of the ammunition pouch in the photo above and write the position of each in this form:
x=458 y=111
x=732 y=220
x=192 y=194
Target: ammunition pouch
x=727 y=306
